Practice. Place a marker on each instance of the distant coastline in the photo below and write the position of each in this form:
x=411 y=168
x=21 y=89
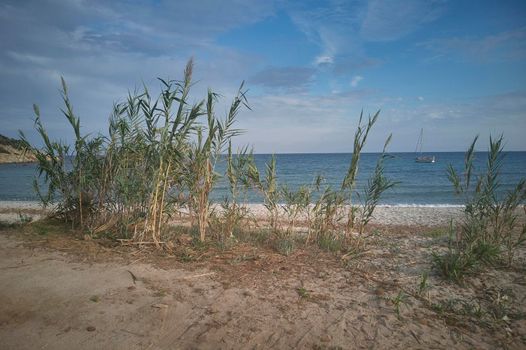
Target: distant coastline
x=13 y=151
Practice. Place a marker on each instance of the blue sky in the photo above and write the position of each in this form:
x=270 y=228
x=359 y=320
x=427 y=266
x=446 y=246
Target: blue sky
x=454 y=68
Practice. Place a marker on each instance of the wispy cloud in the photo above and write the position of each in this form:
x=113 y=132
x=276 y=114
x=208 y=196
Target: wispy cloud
x=340 y=28
x=459 y=121
x=387 y=20
x=333 y=26
x=503 y=46
x=356 y=80
x=284 y=77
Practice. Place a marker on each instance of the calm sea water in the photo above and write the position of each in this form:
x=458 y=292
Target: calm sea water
x=419 y=183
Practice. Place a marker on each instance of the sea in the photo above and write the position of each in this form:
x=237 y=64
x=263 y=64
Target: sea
x=418 y=184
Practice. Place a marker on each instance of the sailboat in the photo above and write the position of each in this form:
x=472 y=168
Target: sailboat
x=421 y=158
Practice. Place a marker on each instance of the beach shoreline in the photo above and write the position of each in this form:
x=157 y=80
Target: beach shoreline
x=408 y=215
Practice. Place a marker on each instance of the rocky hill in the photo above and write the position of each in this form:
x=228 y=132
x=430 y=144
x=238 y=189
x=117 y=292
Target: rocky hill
x=12 y=151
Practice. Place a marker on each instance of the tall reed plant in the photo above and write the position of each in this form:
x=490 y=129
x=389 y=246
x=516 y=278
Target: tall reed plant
x=490 y=229
x=268 y=188
x=491 y=217
x=204 y=154
x=349 y=181
x=232 y=211
x=70 y=174
x=154 y=160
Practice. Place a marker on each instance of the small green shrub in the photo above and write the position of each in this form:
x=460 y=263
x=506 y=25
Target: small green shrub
x=302 y=292
x=331 y=242
x=486 y=252
x=400 y=299
x=423 y=285
x=454 y=265
x=284 y=245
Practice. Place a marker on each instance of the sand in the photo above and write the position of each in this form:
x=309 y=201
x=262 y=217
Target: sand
x=16 y=211
x=59 y=292
x=383 y=215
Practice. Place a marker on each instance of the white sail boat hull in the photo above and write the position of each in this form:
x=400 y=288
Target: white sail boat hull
x=425 y=159
x=421 y=158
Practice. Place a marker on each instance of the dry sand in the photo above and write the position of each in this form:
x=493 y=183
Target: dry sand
x=59 y=292
x=384 y=215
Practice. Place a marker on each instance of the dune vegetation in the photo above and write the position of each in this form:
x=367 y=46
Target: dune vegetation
x=156 y=169
x=159 y=161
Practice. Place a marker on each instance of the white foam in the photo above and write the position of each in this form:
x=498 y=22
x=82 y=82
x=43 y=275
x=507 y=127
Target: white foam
x=414 y=205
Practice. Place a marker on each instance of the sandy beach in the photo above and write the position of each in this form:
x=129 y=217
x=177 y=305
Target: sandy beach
x=62 y=291
x=383 y=215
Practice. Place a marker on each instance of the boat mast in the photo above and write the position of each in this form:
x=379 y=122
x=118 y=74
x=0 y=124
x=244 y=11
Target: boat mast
x=418 y=148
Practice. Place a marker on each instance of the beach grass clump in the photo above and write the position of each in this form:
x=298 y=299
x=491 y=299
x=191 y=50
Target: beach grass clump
x=285 y=245
x=331 y=243
x=258 y=236
x=376 y=186
x=330 y=215
x=423 y=286
x=232 y=213
x=360 y=215
x=158 y=158
x=267 y=186
x=334 y=208
x=144 y=157
x=349 y=182
x=296 y=205
x=327 y=215
x=71 y=173
x=490 y=225
x=24 y=218
x=455 y=263
x=400 y=299
x=490 y=231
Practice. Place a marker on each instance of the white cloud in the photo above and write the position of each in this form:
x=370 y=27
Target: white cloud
x=324 y=60
x=356 y=80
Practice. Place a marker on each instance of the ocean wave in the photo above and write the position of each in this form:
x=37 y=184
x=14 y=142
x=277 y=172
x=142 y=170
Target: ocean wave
x=414 y=205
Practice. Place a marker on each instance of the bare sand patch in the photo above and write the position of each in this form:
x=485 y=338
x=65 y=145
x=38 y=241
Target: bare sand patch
x=59 y=292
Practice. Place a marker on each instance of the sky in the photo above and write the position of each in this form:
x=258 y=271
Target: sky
x=454 y=68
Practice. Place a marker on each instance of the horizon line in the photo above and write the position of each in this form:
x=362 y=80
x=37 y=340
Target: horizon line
x=405 y=152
